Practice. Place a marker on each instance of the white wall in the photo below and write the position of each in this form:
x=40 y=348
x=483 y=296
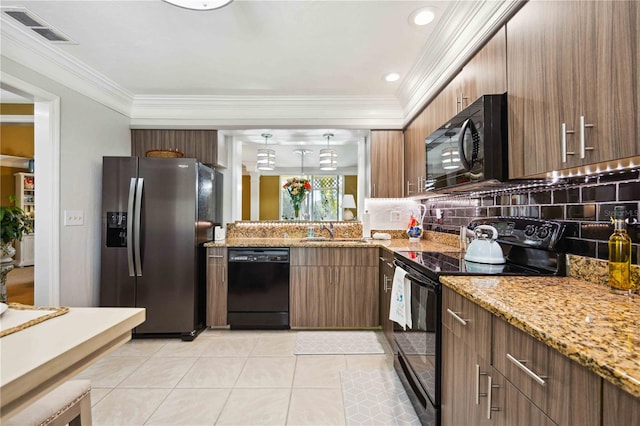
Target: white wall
x=88 y=131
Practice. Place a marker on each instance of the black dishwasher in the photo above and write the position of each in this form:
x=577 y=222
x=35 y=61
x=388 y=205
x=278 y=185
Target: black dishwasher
x=258 y=288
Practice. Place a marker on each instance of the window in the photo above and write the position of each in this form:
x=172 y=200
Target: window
x=323 y=202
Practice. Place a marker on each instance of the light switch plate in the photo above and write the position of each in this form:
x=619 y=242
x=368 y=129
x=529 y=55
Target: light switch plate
x=73 y=218
x=395 y=216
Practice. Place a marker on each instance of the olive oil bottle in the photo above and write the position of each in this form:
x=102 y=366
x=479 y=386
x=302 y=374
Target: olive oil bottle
x=619 y=254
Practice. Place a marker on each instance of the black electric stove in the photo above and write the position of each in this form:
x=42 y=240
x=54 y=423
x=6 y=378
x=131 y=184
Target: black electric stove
x=531 y=248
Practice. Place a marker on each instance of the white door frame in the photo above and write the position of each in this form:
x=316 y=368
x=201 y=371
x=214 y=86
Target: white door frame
x=47 y=178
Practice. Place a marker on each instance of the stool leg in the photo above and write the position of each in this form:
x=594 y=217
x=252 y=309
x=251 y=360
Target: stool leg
x=84 y=418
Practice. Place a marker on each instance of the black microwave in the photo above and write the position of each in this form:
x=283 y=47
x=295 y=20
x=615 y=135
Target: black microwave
x=470 y=148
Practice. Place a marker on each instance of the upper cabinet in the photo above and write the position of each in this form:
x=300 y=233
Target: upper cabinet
x=386 y=163
x=484 y=74
x=573 y=84
x=199 y=144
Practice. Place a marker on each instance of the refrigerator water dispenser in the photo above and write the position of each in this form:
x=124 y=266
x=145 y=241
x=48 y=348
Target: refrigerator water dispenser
x=116 y=229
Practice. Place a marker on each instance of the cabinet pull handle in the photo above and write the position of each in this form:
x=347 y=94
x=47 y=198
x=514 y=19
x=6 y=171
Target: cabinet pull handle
x=216 y=256
x=478 y=394
x=521 y=365
x=390 y=265
x=223 y=274
x=490 y=388
x=386 y=282
x=374 y=190
x=461 y=101
x=456 y=317
x=330 y=275
x=563 y=137
x=409 y=187
x=583 y=147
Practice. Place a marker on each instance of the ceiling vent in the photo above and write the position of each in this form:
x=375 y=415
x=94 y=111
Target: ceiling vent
x=37 y=25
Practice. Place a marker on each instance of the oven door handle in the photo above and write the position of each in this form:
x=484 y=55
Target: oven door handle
x=422 y=282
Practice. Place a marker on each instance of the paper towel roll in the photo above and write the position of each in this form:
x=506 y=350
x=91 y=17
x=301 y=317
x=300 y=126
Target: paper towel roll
x=366 y=224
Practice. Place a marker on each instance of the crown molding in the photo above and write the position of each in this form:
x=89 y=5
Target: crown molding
x=252 y=111
x=28 y=50
x=465 y=27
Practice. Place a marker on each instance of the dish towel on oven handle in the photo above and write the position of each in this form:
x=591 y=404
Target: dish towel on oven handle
x=400 y=307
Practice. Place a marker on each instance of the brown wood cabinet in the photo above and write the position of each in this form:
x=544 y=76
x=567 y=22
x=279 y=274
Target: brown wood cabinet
x=216 y=286
x=466 y=357
x=334 y=287
x=385 y=279
x=484 y=74
x=619 y=407
x=199 y=144
x=565 y=391
x=386 y=163
x=484 y=381
x=573 y=83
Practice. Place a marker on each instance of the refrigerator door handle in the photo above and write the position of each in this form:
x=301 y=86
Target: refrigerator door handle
x=138 y=209
x=132 y=191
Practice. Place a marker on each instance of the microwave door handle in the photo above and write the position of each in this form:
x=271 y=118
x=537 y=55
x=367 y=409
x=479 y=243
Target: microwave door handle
x=468 y=124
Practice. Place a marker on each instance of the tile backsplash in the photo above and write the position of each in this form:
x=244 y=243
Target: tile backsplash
x=588 y=202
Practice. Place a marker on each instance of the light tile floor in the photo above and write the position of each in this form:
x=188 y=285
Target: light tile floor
x=224 y=378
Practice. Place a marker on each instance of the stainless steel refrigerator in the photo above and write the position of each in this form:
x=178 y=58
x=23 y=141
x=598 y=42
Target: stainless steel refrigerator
x=156 y=214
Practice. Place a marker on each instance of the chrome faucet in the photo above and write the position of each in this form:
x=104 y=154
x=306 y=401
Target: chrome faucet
x=329 y=229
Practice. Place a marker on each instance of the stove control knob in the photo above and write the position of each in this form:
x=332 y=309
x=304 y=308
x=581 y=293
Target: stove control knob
x=529 y=230
x=543 y=233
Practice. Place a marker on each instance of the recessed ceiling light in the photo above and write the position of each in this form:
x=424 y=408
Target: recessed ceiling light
x=422 y=16
x=392 y=76
x=200 y=4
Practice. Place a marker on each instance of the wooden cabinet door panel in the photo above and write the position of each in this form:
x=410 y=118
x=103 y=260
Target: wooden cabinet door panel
x=570 y=394
x=534 y=87
x=312 y=297
x=385 y=274
x=357 y=296
x=386 y=163
x=609 y=68
x=619 y=407
x=486 y=72
x=476 y=330
x=358 y=256
x=216 y=286
x=517 y=409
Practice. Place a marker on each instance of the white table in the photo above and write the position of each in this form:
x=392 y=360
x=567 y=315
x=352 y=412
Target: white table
x=39 y=358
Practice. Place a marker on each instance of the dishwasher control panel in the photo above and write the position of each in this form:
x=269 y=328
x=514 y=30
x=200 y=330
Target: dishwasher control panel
x=266 y=255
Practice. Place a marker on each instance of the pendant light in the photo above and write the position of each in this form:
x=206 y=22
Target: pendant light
x=266 y=157
x=200 y=4
x=302 y=153
x=328 y=157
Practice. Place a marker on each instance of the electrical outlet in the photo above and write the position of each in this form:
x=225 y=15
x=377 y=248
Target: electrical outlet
x=395 y=216
x=73 y=218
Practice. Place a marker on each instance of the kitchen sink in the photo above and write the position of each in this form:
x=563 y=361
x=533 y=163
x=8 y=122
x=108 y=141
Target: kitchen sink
x=325 y=240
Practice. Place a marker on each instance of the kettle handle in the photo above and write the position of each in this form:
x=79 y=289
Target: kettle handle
x=494 y=231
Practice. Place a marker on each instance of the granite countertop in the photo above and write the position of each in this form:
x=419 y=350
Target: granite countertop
x=396 y=244
x=585 y=322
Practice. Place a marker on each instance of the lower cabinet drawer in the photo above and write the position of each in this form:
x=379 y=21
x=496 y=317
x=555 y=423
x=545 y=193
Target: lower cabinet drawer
x=467 y=321
x=567 y=392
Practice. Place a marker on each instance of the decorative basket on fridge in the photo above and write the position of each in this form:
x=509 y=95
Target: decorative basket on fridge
x=164 y=153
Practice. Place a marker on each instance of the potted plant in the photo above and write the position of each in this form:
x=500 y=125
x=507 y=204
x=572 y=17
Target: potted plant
x=15 y=224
